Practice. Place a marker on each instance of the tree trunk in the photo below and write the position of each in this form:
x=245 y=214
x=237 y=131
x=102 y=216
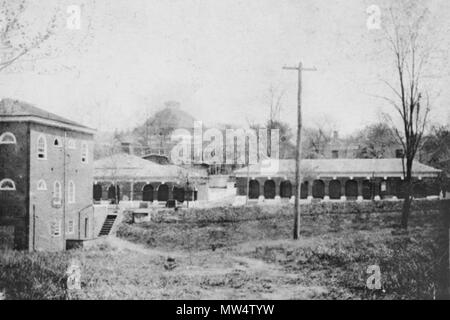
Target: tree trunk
x=408 y=195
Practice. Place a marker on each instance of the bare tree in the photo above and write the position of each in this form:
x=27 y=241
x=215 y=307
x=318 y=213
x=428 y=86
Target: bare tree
x=24 y=39
x=275 y=97
x=406 y=36
x=18 y=36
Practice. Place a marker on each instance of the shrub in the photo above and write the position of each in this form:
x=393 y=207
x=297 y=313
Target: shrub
x=36 y=276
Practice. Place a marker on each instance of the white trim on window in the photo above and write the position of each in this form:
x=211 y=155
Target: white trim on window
x=41 y=185
x=71 y=144
x=71 y=227
x=7 y=138
x=71 y=191
x=57 y=192
x=7 y=185
x=55 y=228
x=84 y=152
x=42 y=147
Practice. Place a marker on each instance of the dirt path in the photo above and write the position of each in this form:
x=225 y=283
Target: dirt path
x=126 y=269
x=239 y=262
x=122 y=244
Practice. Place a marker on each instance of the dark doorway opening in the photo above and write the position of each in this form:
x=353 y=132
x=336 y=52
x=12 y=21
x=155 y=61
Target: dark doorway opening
x=318 y=191
x=253 y=192
x=163 y=192
x=285 y=189
x=147 y=193
x=335 y=189
x=269 y=189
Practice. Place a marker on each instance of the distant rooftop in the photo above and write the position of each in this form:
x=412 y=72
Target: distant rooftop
x=20 y=110
x=337 y=167
x=126 y=166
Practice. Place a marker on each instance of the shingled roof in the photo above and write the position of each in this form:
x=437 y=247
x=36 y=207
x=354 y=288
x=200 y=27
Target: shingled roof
x=125 y=166
x=15 y=109
x=338 y=167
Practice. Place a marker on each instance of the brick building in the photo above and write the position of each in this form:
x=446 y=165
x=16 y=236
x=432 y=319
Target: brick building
x=46 y=170
x=335 y=179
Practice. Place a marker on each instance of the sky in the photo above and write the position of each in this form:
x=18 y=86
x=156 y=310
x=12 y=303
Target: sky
x=217 y=58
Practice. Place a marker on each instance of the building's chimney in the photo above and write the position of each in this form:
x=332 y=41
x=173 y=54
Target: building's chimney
x=127 y=147
x=335 y=135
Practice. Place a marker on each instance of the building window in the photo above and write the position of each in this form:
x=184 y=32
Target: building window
x=84 y=152
x=57 y=194
x=41 y=185
x=7 y=185
x=42 y=147
x=7 y=138
x=55 y=228
x=71 y=192
x=71 y=144
x=335 y=154
x=70 y=227
x=57 y=142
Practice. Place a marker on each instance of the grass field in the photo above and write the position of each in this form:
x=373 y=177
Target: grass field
x=243 y=260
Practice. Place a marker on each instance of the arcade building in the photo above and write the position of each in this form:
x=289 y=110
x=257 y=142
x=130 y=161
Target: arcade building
x=129 y=180
x=335 y=179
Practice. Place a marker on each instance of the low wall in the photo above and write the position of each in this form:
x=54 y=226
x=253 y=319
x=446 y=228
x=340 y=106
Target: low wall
x=257 y=212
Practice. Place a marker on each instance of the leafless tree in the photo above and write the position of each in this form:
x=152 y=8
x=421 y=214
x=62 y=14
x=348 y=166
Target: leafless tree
x=18 y=36
x=407 y=37
x=24 y=38
x=275 y=97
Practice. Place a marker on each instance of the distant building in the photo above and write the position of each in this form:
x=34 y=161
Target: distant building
x=46 y=169
x=339 y=148
x=126 y=177
x=335 y=179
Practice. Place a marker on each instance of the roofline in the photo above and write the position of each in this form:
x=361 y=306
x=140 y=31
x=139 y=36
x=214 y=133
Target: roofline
x=341 y=174
x=48 y=122
x=141 y=178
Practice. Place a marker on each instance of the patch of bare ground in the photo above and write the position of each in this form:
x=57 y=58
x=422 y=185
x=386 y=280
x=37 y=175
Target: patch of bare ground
x=222 y=274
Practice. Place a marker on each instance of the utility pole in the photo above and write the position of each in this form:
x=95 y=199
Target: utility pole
x=298 y=148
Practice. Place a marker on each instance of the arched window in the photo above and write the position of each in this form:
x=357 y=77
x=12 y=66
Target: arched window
x=71 y=144
x=253 y=192
x=71 y=191
x=41 y=147
x=269 y=189
x=318 y=189
x=351 y=189
x=163 y=192
x=57 y=193
x=7 y=138
x=84 y=152
x=41 y=185
x=7 y=185
x=285 y=189
x=147 y=193
x=334 y=189
x=114 y=194
x=367 y=189
x=57 y=143
x=178 y=193
x=304 y=190
x=97 y=192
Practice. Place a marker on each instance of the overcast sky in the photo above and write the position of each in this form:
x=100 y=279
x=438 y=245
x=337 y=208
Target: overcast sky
x=217 y=58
